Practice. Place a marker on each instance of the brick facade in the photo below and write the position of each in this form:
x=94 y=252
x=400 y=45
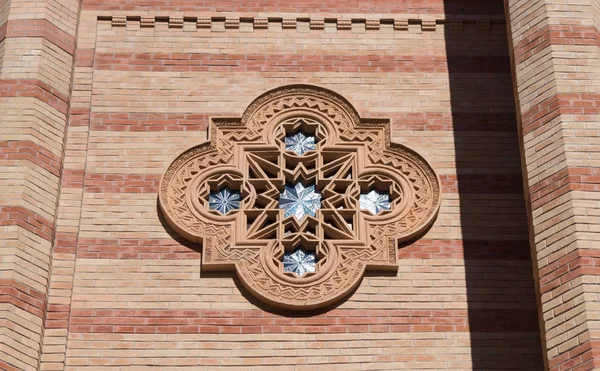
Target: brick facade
x=555 y=58
x=97 y=98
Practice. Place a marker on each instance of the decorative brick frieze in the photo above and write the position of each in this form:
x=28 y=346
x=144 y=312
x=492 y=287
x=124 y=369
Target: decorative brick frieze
x=289 y=23
x=146 y=21
x=260 y=23
x=428 y=25
x=175 y=22
x=344 y=24
x=483 y=25
x=119 y=21
x=204 y=22
x=456 y=25
x=372 y=24
x=317 y=23
x=232 y=23
x=401 y=24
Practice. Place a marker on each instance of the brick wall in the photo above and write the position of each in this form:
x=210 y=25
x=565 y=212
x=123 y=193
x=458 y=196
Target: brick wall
x=126 y=293
x=37 y=42
x=555 y=53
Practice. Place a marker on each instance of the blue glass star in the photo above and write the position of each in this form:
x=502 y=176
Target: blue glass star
x=224 y=200
x=299 y=201
x=375 y=202
x=299 y=262
x=300 y=143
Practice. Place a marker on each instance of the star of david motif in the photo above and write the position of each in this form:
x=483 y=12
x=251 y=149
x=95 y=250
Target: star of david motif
x=299 y=197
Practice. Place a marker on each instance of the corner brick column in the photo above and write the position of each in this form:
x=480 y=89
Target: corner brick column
x=37 y=44
x=556 y=65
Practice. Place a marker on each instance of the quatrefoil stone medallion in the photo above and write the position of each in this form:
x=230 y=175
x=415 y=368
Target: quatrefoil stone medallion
x=299 y=196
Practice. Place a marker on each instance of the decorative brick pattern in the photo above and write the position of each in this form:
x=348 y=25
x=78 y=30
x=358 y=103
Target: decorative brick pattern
x=121 y=275
x=317 y=23
x=204 y=22
x=555 y=53
x=261 y=23
x=455 y=25
x=401 y=24
x=139 y=85
x=428 y=25
x=232 y=23
x=119 y=21
x=372 y=24
x=175 y=22
x=37 y=46
x=289 y=23
x=147 y=21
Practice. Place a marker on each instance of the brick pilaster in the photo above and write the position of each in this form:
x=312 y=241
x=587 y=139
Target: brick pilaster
x=37 y=40
x=556 y=69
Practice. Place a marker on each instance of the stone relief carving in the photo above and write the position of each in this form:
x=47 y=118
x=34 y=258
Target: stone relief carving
x=299 y=197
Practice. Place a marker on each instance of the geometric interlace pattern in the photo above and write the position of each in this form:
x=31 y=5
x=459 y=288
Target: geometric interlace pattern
x=367 y=195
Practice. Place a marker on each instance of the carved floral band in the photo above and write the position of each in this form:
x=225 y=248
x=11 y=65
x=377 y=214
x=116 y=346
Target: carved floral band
x=299 y=197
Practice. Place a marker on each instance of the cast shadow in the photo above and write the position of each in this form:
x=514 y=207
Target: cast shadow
x=501 y=299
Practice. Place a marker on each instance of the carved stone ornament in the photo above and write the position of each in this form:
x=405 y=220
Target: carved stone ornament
x=299 y=197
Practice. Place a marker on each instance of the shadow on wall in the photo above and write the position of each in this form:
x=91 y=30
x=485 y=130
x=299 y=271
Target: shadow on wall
x=502 y=312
